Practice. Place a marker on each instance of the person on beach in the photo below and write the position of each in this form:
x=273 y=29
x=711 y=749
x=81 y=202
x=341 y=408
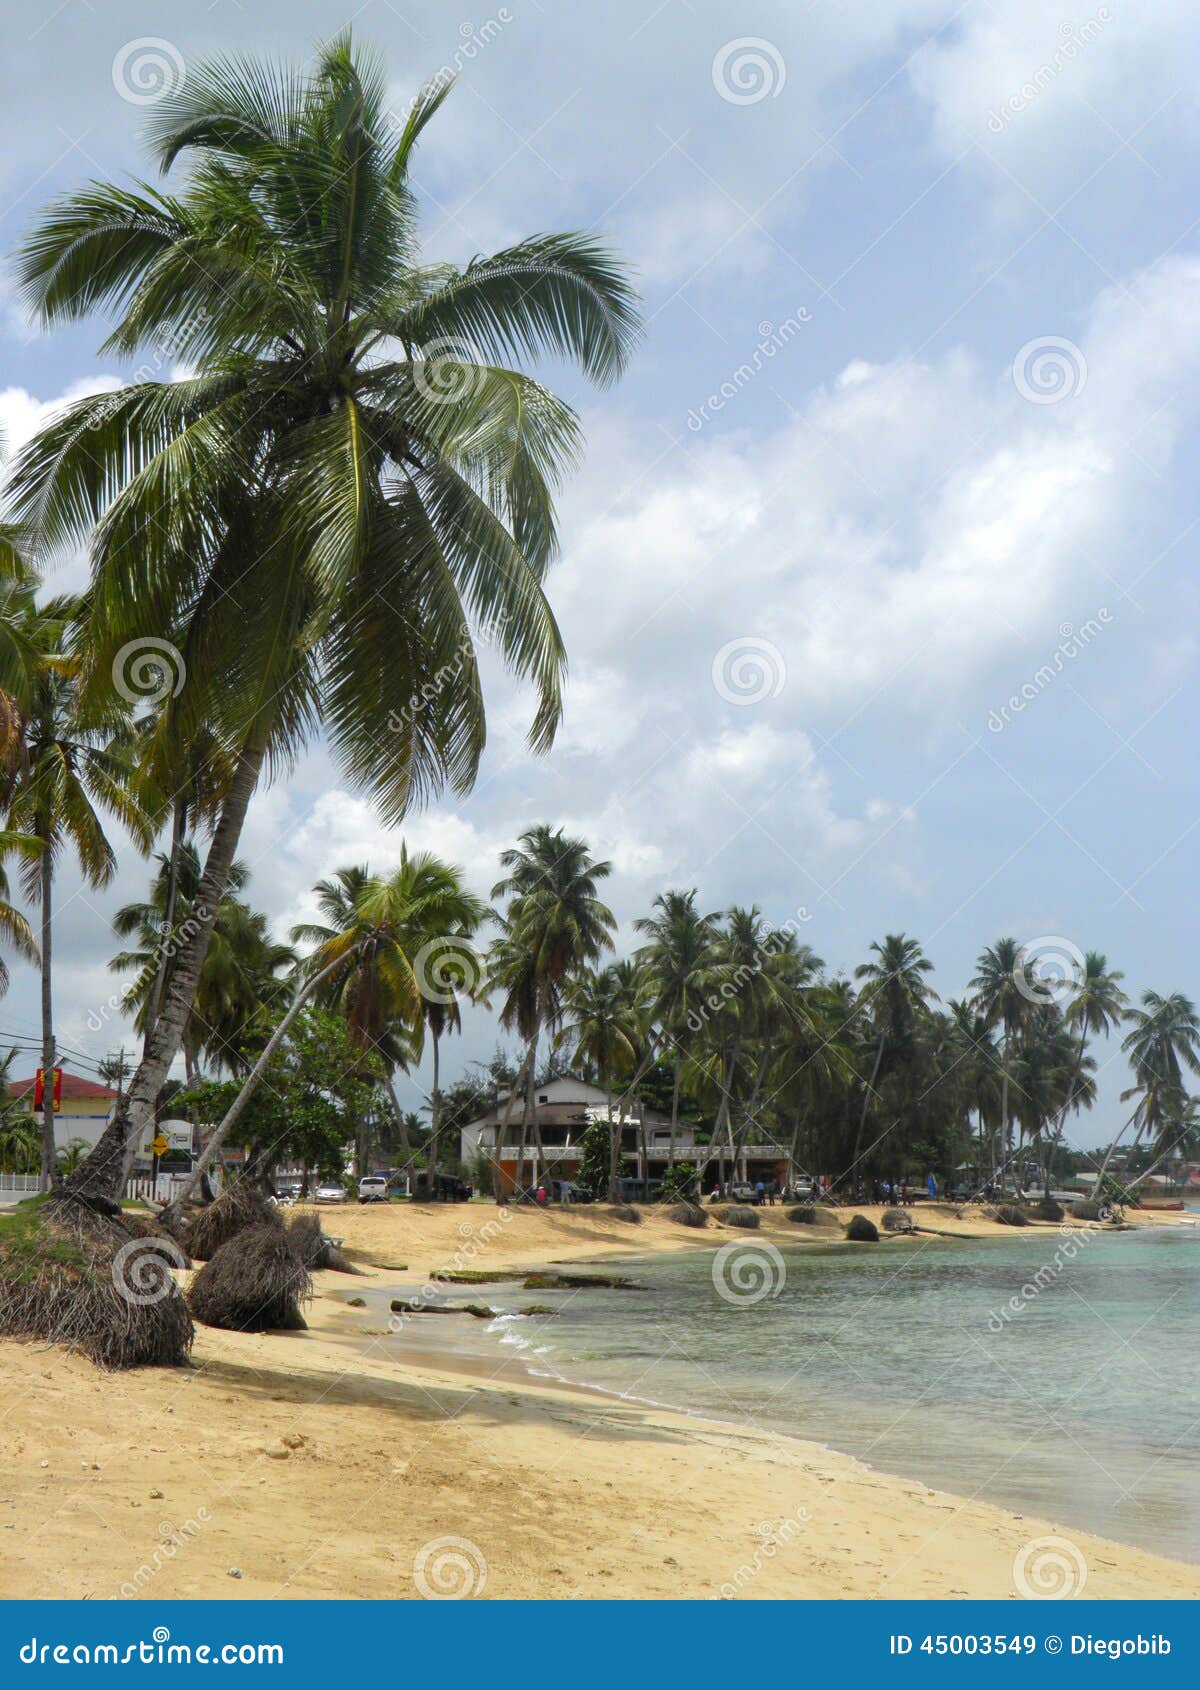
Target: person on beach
x=760 y=1191
x=539 y=1196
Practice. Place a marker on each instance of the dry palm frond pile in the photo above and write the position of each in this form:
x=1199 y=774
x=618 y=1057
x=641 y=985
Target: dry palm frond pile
x=686 y=1214
x=860 y=1230
x=240 y=1205
x=624 y=1212
x=255 y=1282
x=96 y=1284
x=737 y=1214
x=314 y=1248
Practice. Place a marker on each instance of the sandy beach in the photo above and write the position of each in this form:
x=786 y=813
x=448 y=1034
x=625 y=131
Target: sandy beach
x=314 y=1465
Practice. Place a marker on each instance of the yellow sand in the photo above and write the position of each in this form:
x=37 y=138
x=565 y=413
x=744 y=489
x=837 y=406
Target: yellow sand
x=316 y=1466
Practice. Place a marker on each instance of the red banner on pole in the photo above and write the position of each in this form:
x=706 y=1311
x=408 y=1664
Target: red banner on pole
x=39 y=1089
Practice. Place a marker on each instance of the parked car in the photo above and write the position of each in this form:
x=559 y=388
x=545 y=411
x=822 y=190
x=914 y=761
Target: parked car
x=330 y=1193
x=373 y=1188
x=743 y=1192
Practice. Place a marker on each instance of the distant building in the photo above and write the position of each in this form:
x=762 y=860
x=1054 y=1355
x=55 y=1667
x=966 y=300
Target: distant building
x=85 y=1109
x=564 y=1108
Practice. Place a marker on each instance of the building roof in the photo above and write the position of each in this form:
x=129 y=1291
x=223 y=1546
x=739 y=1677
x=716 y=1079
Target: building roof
x=72 y=1087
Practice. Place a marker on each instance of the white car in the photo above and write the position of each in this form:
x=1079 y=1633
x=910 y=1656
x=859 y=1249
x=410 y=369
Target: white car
x=330 y=1194
x=373 y=1188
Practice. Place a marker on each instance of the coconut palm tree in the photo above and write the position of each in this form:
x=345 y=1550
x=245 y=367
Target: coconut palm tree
x=1162 y=1046
x=241 y=974
x=402 y=949
x=602 y=1025
x=74 y=764
x=680 y=964
x=1097 y=1005
x=894 y=991
x=554 y=926
x=1051 y=1076
x=351 y=486
x=1005 y=1000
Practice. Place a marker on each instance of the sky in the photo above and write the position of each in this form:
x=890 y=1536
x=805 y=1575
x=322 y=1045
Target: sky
x=877 y=578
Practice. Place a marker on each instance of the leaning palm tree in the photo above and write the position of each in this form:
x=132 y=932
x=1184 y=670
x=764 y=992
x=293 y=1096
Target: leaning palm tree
x=1163 y=1046
x=1096 y=1006
x=400 y=946
x=74 y=765
x=351 y=486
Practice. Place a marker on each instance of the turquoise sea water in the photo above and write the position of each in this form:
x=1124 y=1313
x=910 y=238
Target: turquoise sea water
x=1055 y=1378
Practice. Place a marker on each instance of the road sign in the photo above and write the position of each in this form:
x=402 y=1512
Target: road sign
x=160 y=1145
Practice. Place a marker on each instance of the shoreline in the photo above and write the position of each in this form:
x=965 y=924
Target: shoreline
x=318 y=1464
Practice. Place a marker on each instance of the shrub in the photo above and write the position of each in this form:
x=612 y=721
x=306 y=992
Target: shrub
x=738 y=1215
x=804 y=1214
x=1049 y=1210
x=686 y=1214
x=1088 y=1210
x=680 y=1184
x=255 y=1282
x=862 y=1231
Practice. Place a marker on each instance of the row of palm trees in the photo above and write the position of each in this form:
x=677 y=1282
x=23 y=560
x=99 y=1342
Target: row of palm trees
x=739 y=1023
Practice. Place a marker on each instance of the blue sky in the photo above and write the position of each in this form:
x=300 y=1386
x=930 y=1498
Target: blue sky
x=911 y=433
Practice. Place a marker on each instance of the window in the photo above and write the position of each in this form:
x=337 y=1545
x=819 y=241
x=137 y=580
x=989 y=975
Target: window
x=543 y=1097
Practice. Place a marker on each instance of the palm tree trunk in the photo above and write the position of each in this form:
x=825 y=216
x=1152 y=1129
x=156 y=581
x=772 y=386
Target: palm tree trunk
x=97 y=1181
x=674 y=1109
x=249 y=1086
x=435 y=1115
x=867 y=1096
x=401 y=1127
x=1062 y=1117
x=49 y=1172
x=518 y=1085
x=178 y=821
x=614 y=1153
x=1112 y=1147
